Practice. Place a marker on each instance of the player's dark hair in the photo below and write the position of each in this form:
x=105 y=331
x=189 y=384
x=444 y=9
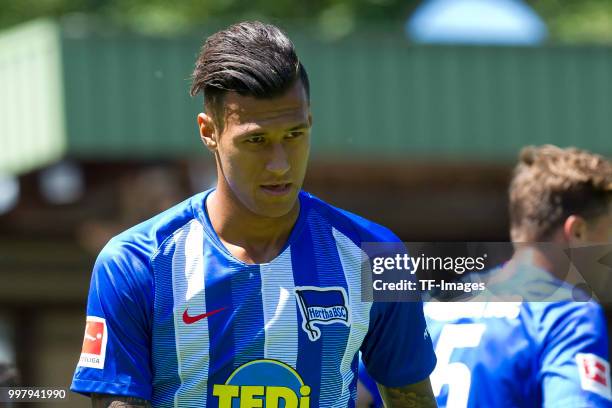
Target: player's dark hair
x=250 y=58
x=550 y=184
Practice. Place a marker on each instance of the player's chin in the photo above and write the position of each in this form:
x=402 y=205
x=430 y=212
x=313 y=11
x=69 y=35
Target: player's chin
x=274 y=206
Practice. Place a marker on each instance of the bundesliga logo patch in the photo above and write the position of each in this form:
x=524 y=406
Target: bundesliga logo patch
x=322 y=306
x=94 y=343
x=594 y=374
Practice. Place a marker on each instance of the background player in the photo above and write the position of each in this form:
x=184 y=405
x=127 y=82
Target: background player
x=248 y=293
x=532 y=354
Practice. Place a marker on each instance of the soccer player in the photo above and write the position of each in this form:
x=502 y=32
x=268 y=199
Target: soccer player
x=551 y=353
x=248 y=294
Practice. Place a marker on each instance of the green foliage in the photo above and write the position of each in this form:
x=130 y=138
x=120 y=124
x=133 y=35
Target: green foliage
x=568 y=21
x=577 y=21
x=337 y=17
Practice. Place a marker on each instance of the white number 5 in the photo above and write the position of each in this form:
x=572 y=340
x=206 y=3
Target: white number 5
x=456 y=375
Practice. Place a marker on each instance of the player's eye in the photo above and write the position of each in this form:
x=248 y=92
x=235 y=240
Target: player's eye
x=255 y=139
x=294 y=134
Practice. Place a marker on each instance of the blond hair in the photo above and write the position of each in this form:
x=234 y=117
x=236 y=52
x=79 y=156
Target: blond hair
x=550 y=184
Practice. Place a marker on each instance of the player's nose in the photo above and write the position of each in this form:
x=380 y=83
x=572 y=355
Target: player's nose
x=278 y=162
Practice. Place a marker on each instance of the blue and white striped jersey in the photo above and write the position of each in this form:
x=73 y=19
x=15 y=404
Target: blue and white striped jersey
x=175 y=319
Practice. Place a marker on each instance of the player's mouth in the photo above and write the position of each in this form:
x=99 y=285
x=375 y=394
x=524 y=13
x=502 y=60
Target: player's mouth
x=276 y=189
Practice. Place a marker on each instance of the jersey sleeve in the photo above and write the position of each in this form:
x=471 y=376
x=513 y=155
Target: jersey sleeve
x=116 y=358
x=574 y=369
x=397 y=349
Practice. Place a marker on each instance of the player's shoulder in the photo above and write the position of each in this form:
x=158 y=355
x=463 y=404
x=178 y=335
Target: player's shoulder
x=580 y=316
x=143 y=240
x=562 y=309
x=355 y=227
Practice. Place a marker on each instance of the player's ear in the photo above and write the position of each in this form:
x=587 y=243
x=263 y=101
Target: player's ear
x=574 y=229
x=208 y=132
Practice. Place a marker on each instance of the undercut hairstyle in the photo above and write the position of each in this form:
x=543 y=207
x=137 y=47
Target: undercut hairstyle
x=550 y=184
x=249 y=58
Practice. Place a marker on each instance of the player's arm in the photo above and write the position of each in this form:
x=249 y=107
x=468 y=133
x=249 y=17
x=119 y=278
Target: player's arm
x=398 y=354
x=115 y=401
x=417 y=395
x=574 y=367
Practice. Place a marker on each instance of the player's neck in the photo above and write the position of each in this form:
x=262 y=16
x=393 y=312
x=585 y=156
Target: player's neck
x=545 y=256
x=247 y=236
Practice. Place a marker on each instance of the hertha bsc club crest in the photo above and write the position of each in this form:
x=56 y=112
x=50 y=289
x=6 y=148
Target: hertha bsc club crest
x=322 y=306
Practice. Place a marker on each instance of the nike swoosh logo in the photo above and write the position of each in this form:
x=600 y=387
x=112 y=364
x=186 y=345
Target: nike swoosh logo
x=192 y=319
